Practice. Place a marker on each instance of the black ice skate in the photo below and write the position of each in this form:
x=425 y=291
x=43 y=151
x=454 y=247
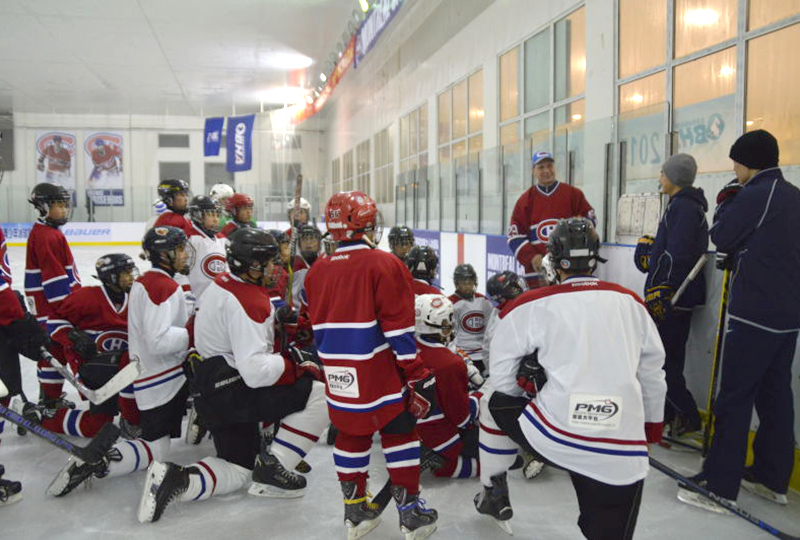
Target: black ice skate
x=10 y=491
x=360 y=517
x=77 y=472
x=493 y=501
x=271 y=479
x=416 y=521
x=165 y=483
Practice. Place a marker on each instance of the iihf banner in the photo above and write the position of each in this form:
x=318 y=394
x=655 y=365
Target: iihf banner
x=240 y=143
x=105 y=183
x=55 y=158
x=213 y=138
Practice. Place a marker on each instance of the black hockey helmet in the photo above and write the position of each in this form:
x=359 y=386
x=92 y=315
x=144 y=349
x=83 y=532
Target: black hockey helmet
x=167 y=189
x=574 y=245
x=464 y=272
x=110 y=266
x=201 y=205
x=45 y=194
x=250 y=247
x=309 y=232
x=504 y=286
x=422 y=261
x=160 y=241
x=400 y=235
x=279 y=236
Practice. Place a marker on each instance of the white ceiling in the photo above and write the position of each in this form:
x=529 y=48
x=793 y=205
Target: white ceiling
x=177 y=57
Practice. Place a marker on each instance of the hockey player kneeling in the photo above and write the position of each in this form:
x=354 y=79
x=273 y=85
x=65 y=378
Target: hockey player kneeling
x=241 y=383
x=578 y=378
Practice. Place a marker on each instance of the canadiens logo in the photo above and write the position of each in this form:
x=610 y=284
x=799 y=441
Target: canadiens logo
x=437 y=303
x=473 y=322
x=544 y=229
x=113 y=340
x=213 y=265
x=162 y=231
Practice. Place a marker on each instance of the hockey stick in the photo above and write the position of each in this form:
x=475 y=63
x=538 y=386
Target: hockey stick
x=381 y=500
x=669 y=441
x=725 y=503
x=117 y=383
x=298 y=190
x=701 y=262
x=91 y=453
x=715 y=364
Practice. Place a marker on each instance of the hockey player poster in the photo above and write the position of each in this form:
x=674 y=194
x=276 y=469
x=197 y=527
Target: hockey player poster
x=105 y=180
x=55 y=158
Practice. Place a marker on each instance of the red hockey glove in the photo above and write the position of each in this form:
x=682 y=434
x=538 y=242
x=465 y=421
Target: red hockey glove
x=653 y=432
x=530 y=375
x=422 y=395
x=306 y=363
x=658 y=301
x=730 y=191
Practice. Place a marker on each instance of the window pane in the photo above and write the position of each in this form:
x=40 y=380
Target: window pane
x=447 y=192
x=413 y=131
x=705 y=109
x=423 y=128
x=537 y=71
x=403 y=137
x=702 y=23
x=509 y=84
x=643 y=92
x=763 y=12
x=509 y=134
x=571 y=55
x=459 y=149
x=460 y=110
x=568 y=142
x=772 y=102
x=537 y=133
x=572 y=113
x=642 y=35
x=444 y=117
x=475 y=146
x=476 y=102
x=174 y=170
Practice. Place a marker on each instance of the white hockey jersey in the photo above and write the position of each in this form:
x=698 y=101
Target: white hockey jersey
x=157 y=316
x=471 y=318
x=210 y=261
x=491 y=326
x=603 y=358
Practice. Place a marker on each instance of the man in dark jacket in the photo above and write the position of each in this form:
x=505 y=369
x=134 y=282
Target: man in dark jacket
x=756 y=224
x=681 y=240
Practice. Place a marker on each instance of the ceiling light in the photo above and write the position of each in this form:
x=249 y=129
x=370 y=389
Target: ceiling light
x=749 y=123
x=637 y=98
x=286 y=60
x=309 y=100
x=323 y=77
x=577 y=116
x=364 y=5
x=726 y=71
x=702 y=17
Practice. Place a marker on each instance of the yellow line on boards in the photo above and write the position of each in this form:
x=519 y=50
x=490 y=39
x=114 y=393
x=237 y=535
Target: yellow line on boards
x=22 y=244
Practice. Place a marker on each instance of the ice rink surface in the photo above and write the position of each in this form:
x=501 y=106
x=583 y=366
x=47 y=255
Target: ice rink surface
x=545 y=508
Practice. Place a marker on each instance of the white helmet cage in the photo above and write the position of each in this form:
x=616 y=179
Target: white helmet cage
x=434 y=314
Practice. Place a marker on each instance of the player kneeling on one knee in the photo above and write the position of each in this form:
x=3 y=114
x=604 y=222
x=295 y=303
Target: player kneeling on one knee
x=599 y=352
x=240 y=383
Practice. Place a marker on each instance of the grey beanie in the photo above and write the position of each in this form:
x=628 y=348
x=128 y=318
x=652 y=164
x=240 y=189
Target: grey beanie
x=680 y=169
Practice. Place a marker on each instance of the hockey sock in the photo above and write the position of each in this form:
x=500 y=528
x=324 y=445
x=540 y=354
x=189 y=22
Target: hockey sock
x=50 y=380
x=461 y=467
x=137 y=455
x=300 y=431
x=351 y=458
x=77 y=422
x=127 y=406
x=496 y=450
x=402 y=459
x=216 y=477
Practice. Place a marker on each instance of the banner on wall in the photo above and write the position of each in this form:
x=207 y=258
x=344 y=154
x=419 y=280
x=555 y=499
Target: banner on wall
x=105 y=180
x=376 y=22
x=213 y=136
x=432 y=239
x=499 y=257
x=240 y=143
x=55 y=158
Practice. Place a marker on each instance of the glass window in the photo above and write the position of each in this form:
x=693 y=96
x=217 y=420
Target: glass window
x=772 y=102
x=509 y=84
x=475 y=145
x=642 y=35
x=537 y=133
x=170 y=169
x=476 y=102
x=413 y=132
x=423 y=128
x=570 y=55
x=643 y=92
x=404 y=137
x=460 y=110
x=763 y=12
x=537 y=71
x=444 y=117
x=703 y=23
x=509 y=134
x=336 y=176
x=572 y=113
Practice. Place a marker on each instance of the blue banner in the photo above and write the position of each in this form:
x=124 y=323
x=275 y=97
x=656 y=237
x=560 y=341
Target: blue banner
x=432 y=239
x=499 y=257
x=213 y=138
x=106 y=197
x=240 y=143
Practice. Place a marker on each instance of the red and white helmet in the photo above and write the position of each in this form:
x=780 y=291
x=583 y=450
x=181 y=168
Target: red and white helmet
x=434 y=315
x=236 y=201
x=350 y=214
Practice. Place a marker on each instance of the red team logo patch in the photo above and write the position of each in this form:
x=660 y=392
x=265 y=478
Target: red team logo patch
x=213 y=265
x=113 y=340
x=473 y=322
x=544 y=229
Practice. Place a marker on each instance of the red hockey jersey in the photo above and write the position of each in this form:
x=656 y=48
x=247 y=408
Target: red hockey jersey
x=362 y=311
x=420 y=286
x=58 y=161
x=10 y=310
x=174 y=219
x=106 y=159
x=50 y=272
x=228 y=229
x=536 y=214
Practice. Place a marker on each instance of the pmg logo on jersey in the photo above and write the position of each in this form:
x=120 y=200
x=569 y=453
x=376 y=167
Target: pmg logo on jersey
x=213 y=265
x=342 y=381
x=473 y=322
x=544 y=228
x=595 y=412
x=113 y=340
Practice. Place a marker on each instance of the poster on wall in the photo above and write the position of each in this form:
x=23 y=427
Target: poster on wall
x=105 y=180
x=55 y=158
x=499 y=257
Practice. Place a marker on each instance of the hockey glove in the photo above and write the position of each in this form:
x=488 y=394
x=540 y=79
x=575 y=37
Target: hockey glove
x=306 y=362
x=422 y=396
x=530 y=375
x=730 y=191
x=190 y=329
x=658 y=301
x=474 y=375
x=653 y=432
x=28 y=337
x=82 y=344
x=725 y=261
x=641 y=256
x=286 y=315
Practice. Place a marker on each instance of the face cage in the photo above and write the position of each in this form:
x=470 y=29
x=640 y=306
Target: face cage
x=201 y=222
x=402 y=241
x=190 y=259
x=377 y=230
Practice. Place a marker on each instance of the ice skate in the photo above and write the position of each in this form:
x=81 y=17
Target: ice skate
x=75 y=473
x=416 y=521
x=753 y=485
x=271 y=479
x=359 y=515
x=691 y=497
x=493 y=501
x=165 y=483
x=10 y=490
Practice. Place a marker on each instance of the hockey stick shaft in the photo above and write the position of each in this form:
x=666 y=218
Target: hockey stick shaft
x=716 y=363
x=298 y=191
x=698 y=266
x=118 y=382
x=725 y=503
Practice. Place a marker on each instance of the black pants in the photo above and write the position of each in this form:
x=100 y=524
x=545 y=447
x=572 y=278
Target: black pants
x=9 y=366
x=674 y=332
x=165 y=420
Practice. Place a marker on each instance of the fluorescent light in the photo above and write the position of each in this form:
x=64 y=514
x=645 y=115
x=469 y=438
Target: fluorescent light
x=702 y=17
x=749 y=123
x=323 y=77
x=286 y=60
x=309 y=100
x=726 y=71
x=577 y=116
x=364 y=5
x=637 y=98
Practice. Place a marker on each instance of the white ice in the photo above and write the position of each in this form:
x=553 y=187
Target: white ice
x=545 y=508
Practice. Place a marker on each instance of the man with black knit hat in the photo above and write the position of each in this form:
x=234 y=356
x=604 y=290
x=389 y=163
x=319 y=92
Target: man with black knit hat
x=681 y=240
x=755 y=231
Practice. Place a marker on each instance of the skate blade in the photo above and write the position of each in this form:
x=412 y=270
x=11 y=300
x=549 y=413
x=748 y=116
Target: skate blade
x=692 y=498
x=147 y=504
x=61 y=481
x=533 y=469
x=421 y=533
x=763 y=491
x=11 y=500
x=354 y=532
x=505 y=526
x=266 y=490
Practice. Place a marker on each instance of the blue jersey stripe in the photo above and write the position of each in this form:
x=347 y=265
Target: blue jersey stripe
x=57 y=288
x=355 y=341
x=404 y=344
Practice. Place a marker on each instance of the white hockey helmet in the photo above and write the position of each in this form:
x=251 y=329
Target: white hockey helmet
x=304 y=205
x=434 y=315
x=221 y=191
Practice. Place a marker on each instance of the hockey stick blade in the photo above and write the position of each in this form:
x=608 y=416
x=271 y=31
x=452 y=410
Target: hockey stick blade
x=118 y=382
x=731 y=507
